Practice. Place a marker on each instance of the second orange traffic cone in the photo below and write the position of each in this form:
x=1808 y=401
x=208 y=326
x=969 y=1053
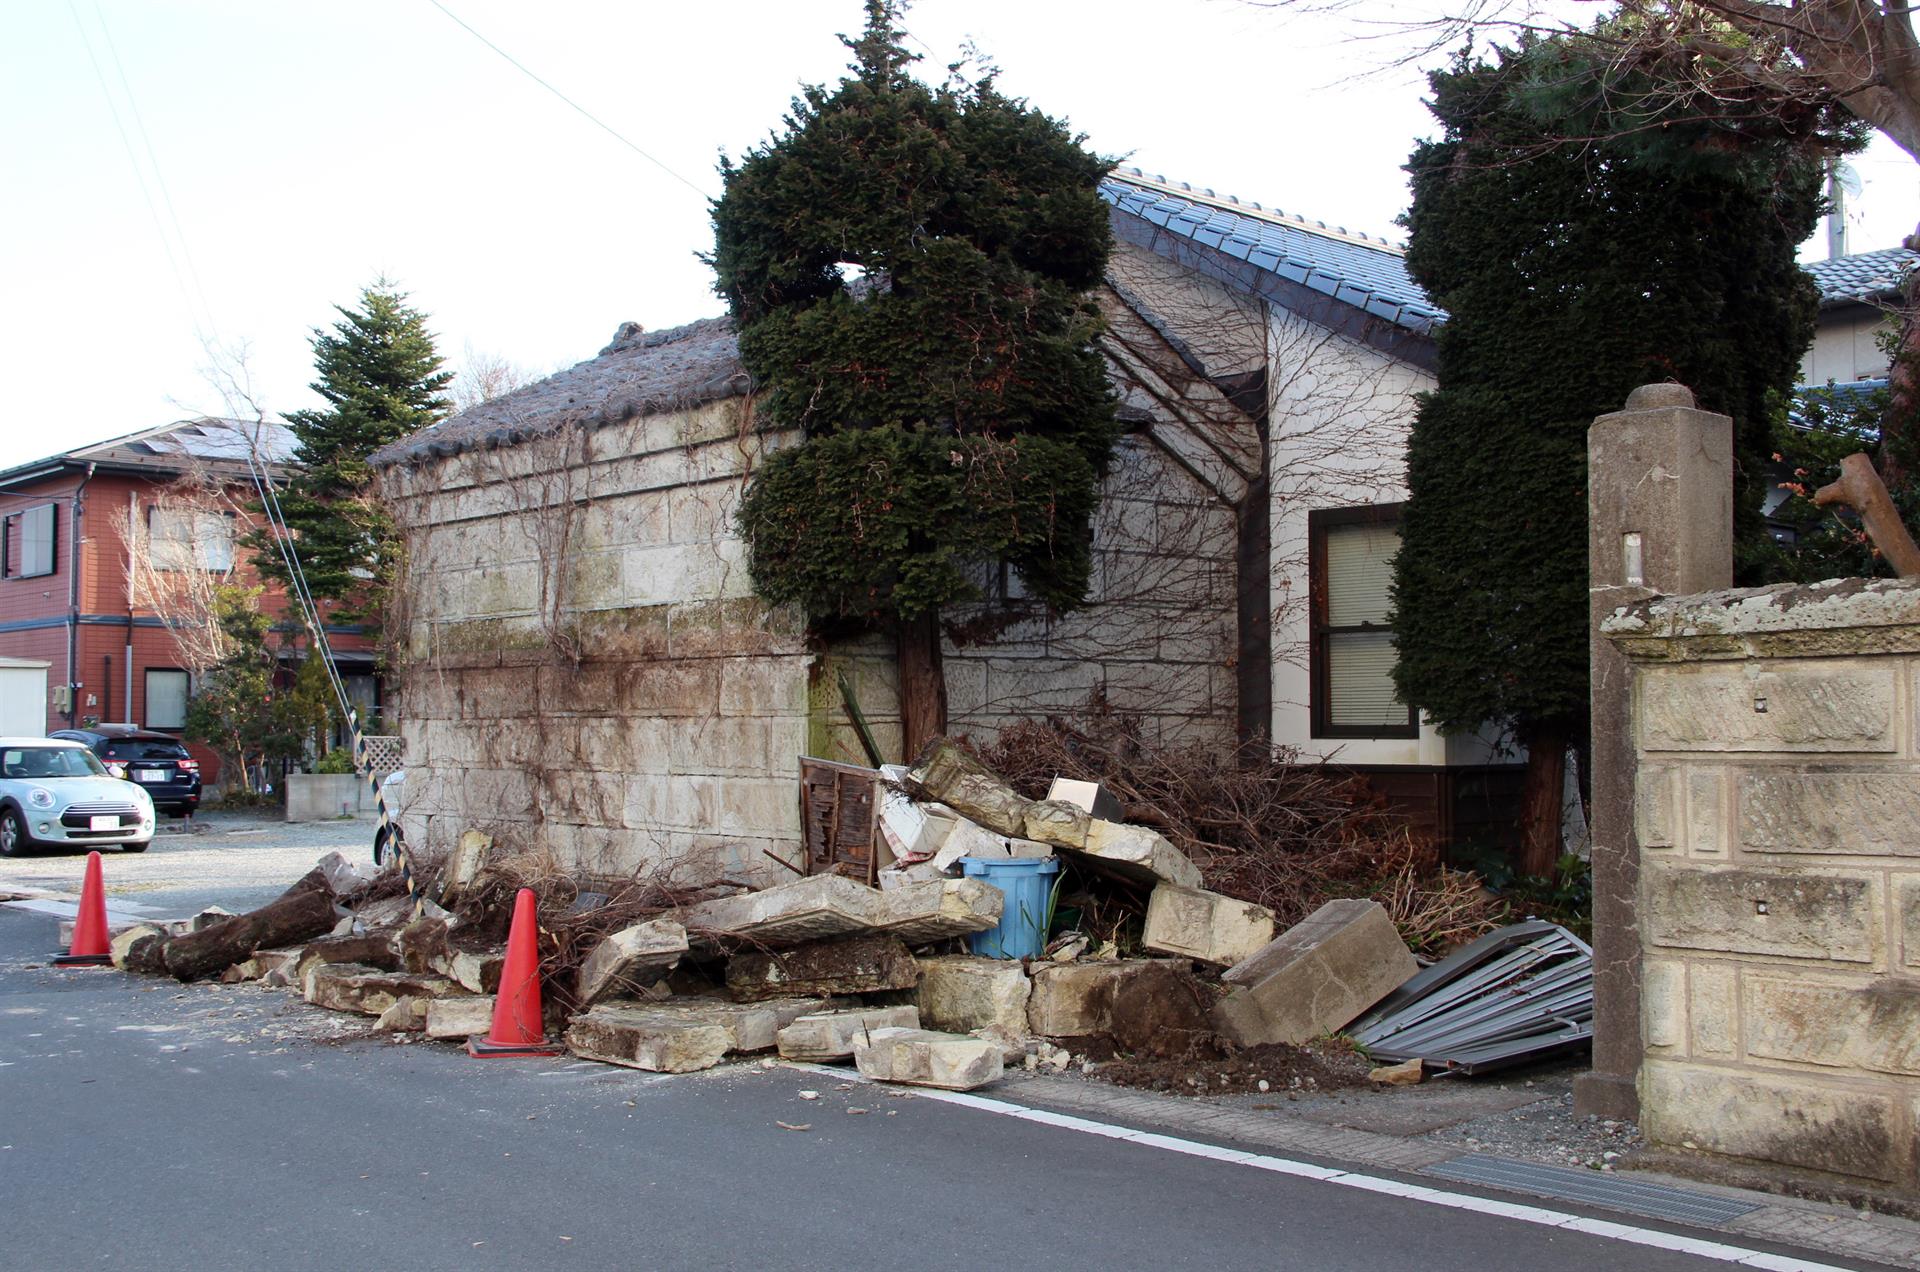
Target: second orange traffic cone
x=89 y=948
x=518 y=1029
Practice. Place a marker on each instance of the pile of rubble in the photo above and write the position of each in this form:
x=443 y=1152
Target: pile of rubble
x=870 y=968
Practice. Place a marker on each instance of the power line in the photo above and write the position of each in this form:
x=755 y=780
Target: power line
x=609 y=129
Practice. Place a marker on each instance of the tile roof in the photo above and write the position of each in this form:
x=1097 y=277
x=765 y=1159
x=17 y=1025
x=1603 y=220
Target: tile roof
x=1365 y=272
x=219 y=446
x=1861 y=276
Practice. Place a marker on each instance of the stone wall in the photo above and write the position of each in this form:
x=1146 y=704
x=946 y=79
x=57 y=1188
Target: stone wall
x=1777 y=812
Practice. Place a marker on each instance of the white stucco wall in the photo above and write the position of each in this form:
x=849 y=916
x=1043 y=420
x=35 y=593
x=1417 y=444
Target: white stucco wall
x=1846 y=346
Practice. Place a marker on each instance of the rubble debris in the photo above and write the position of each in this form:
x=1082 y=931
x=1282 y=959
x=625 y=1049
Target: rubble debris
x=1151 y=1006
x=1095 y=798
x=1314 y=977
x=461 y=873
x=839 y=819
x=1135 y=854
x=970 y=839
x=1061 y=824
x=684 y=1034
x=852 y=965
x=922 y=1057
x=810 y=909
x=477 y=971
x=894 y=878
x=1325 y=1064
x=1406 y=1073
x=302 y=912
x=241 y=972
x=1520 y=993
x=832 y=1035
x=1206 y=926
x=638 y=954
x=138 y=948
x=961 y=993
x=368 y=990
x=276 y=966
x=460 y=1018
x=419 y=945
x=373 y=949
x=208 y=917
x=407 y=1015
x=912 y=831
x=343 y=878
x=948 y=775
x=937 y=909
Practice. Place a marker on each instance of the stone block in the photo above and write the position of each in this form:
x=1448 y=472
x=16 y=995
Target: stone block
x=921 y=1057
x=476 y=971
x=459 y=1017
x=812 y=909
x=1842 y=706
x=948 y=774
x=1873 y=1025
x=961 y=994
x=407 y=1015
x=1316 y=976
x=1154 y=1006
x=683 y=1034
x=832 y=1035
x=1803 y=914
x=1706 y=824
x=938 y=909
x=129 y=946
x=1663 y=1003
x=1135 y=854
x=1771 y=1117
x=369 y=949
x=635 y=955
x=1782 y=811
x=1204 y=925
x=1910 y=921
x=852 y=965
x=368 y=990
x=1058 y=823
x=970 y=839
x=1712 y=1010
x=1094 y=798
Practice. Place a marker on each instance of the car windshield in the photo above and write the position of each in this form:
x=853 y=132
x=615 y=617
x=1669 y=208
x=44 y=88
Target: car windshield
x=49 y=761
x=144 y=749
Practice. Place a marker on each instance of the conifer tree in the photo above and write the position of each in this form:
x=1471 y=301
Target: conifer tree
x=381 y=379
x=908 y=268
x=1571 y=274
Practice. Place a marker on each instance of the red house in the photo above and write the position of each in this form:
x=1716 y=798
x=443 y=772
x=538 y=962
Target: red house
x=81 y=530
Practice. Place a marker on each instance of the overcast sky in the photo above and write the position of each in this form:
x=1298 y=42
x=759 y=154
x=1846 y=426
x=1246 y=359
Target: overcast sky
x=186 y=174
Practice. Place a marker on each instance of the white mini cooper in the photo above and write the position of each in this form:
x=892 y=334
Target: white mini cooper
x=58 y=794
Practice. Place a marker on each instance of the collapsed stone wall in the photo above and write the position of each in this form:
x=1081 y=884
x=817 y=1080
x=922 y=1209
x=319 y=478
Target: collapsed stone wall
x=584 y=667
x=1777 y=813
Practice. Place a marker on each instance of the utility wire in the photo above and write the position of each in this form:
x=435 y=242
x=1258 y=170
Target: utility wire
x=602 y=124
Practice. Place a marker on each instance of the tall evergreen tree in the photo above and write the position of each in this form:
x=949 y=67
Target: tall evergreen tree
x=381 y=379
x=907 y=268
x=1572 y=273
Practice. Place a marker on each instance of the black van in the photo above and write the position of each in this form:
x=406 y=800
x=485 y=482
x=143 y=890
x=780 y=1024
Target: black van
x=157 y=761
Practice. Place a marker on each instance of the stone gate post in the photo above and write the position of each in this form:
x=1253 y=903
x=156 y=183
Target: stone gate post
x=1659 y=520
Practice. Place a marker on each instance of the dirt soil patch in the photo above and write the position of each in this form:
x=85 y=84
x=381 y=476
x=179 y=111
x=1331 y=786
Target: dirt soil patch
x=1275 y=1069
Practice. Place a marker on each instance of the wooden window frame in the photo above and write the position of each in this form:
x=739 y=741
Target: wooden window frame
x=1320 y=694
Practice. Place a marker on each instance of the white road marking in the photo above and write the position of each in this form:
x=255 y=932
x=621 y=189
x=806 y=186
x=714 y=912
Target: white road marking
x=1608 y=1229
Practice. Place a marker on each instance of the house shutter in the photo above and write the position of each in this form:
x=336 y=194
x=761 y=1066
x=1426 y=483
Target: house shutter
x=1360 y=663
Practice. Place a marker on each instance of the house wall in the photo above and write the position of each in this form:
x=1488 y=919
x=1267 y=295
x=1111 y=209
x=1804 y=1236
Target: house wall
x=1846 y=346
x=1779 y=894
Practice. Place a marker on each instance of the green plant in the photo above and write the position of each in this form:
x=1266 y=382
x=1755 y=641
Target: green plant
x=337 y=760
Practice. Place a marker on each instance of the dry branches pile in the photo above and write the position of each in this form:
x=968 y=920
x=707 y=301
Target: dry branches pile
x=1260 y=825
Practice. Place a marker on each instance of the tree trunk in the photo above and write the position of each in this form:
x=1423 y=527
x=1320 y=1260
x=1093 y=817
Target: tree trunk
x=1541 y=798
x=1898 y=432
x=299 y=914
x=923 y=682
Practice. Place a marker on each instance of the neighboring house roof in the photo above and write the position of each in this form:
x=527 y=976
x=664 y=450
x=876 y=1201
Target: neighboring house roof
x=640 y=373
x=215 y=445
x=1862 y=276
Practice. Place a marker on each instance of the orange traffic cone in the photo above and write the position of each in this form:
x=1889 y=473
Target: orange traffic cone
x=90 y=926
x=517 y=1026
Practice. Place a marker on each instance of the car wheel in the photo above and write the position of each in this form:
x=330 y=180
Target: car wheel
x=13 y=834
x=379 y=844
x=139 y=847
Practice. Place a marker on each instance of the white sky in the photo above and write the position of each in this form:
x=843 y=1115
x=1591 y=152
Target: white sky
x=234 y=168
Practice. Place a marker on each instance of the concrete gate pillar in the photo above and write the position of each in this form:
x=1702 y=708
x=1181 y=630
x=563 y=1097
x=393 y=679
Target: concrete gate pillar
x=1659 y=520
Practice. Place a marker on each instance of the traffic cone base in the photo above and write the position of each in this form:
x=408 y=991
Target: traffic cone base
x=518 y=1028
x=481 y=1049
x=89 y=948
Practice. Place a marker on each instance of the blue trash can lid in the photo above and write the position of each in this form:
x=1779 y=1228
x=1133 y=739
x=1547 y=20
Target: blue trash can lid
x=1008 y=865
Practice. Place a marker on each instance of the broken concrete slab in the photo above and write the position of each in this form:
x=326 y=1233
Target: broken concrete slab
x=1095 y=798
x=852 y=965
x=1058 y=823
x=477 y=971
x=241 y=972
x=1155 y=1006
x=1315 y=977
x=407 y=1015
x=923 y=1057
x=948 y=774
x=1202 y=925
x=368 y=990
x=960 y=993
x=1406 y=1073
x=1135 y=854
x=832 y=1035
x=459 y=1017
x=419 y=945
x=811 y=909
x=894 y=878
x=276 y=966
x=137 y=948
x=635 y=955
x=684 y=1034
x=464 y=864
x=969 y=839
x=938 y=909
x=369 y=949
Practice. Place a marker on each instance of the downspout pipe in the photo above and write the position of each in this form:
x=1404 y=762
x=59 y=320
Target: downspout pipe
x=73 y=600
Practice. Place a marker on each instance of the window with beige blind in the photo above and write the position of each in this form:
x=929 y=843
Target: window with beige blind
x=1350 y=553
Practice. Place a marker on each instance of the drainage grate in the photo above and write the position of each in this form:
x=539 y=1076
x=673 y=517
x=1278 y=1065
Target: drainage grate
x=1654 y=1201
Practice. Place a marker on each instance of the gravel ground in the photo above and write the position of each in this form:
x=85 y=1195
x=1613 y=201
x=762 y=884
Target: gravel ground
x=238 y=860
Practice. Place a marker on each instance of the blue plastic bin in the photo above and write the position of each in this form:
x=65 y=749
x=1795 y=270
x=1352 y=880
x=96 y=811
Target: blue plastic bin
x=1027 y=884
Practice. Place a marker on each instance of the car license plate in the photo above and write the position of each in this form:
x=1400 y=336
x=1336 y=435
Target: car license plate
x=109 y=822
x=151 y=775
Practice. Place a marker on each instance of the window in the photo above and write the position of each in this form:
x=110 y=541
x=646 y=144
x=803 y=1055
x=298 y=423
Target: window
x=1350 y=552
x=189 y=539
x=27 y=542
x=166 y=699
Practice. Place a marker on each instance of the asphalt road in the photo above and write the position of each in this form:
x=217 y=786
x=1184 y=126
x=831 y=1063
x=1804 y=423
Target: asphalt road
x=146 y=1124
